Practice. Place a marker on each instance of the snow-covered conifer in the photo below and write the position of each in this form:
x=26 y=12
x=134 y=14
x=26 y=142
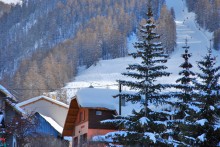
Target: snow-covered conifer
x=201 y=125
x=184 y=98
x=207 y=125
x=148 y=126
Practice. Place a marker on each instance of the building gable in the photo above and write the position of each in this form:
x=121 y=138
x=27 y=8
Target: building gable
x=69 y=126
x=46 y=106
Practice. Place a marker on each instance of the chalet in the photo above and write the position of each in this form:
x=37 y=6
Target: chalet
x=87 y=109
x=46 y=106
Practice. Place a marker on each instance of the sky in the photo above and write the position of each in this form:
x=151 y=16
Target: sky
x=11 y=1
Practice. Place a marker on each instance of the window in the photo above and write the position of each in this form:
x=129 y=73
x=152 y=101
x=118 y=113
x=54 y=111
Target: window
x=81 y=116
x=98 y=112
x=83 y=139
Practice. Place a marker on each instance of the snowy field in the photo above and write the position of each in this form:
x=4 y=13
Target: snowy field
x=12 y=1
x=106 y=72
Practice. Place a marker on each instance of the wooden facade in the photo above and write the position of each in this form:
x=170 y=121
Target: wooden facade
x=69 y=126
x=94 y=118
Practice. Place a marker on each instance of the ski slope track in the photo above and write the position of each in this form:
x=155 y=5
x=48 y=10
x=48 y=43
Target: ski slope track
x=105 y=73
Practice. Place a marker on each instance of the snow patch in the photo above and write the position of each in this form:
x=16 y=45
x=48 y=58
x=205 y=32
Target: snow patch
x=68 y=138
x=195 y=108
x=201 y=122
x=212 y=108
x=202 y=137
x=143 y=121
x=151 y=136
x=12 y=1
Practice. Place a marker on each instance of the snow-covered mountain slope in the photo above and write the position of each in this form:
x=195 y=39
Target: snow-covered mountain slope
x=198 y=39
x=12 y=1
x=106 y=72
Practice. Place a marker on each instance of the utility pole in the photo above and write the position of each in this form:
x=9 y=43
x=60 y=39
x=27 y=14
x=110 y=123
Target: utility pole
x=119 y=98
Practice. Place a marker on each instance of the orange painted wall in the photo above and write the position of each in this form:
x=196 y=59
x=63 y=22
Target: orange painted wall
x=94 y=132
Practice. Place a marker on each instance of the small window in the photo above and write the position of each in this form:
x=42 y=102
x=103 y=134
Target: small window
x=98 y=112
x=81 y=116
x=83 y=139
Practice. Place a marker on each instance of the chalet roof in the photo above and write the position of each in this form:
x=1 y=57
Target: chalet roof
x=7 y=93
x=32 y=100
x=16 y=108
x=103 y=98
x=11 y=100
x=97 y=98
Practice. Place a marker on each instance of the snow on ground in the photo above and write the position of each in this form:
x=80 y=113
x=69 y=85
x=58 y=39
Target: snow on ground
x=12 y=1
x=106 y=72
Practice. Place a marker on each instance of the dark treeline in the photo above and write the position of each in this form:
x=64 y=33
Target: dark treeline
x=43 y=42
x=207 y=16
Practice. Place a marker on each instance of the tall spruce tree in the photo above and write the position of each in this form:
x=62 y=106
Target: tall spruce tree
x=185 y=103
x=185 y=84
x=206 y=127
x=148 y=126
x=201 y=124
x=185 y=81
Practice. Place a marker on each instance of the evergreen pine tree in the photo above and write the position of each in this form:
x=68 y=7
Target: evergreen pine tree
x=148 y=126
x=207 y=129
x=185 y=86
x=183 y=105
x=200 y=126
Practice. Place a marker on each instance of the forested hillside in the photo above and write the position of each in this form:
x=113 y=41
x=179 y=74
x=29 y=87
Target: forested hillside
x=207 y=16
x=43 y=42
x=4 y=8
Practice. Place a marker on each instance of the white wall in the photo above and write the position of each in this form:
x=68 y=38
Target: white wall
x=47 y=108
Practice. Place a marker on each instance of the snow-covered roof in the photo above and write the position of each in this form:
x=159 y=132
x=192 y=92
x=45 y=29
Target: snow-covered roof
x=103 y=98
x=7 y=93
x=15 y=107
x=97 y=98
x=39 y=98
x=53 y=123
